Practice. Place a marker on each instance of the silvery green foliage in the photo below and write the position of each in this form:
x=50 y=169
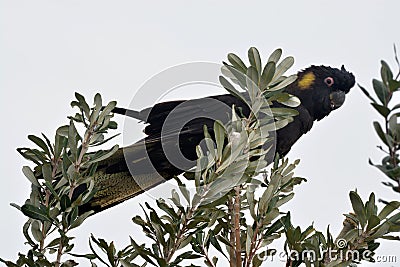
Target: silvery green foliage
x=235 y=197
x=233 y=160
x=389 y=132
x=232 y=167
x=61 y=167
x=365 y=225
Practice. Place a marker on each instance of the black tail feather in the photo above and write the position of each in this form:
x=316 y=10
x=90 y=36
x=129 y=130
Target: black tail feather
x=130 y=113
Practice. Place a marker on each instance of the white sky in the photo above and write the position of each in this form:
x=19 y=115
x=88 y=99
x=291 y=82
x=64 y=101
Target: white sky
x=50 y=49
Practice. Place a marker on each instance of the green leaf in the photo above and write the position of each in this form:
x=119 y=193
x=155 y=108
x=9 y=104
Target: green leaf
x=284 y=199
x=384 y=111
x=34 y=155
x=182 y=187
x=92 y=238
x=266 y=197
x=249 y=238
x=96 y=110
x=381 y=91
x=30 y=175
x=251 y=201
x=106 y=111
x=97 y=100
x=386 y=73
x=267 y=75
x=63 y=130
x=289 y=80
x=310 y=229
x=372 y=222
x=284 y=112
x=292 y=101
x=275 y=56
x=175 y=198
x=255 y=59
x=253 y=76
x=36 y=231
x=47 y=172
x=65 y=202
x=388 y=209
x=80 y=219
x=104 y=141
x=142 y=252
x=394 y=126
x=235 y=75
x=219 y=132
x=227 y=71
x=252 y=83
x=51 y=189
x=282 y=67
x=27 y=154
x=229 y=87
x=86 y=256
x=237 y=62
x=112 y=125
x=380 y=132
x=35 y=213
x=395 y=221
x=104 y=155
x=358 y=208
x=394 y=85
x=25 y=231
x=275 y=227
x=15 y=206
x=390 y=237
x=215 y=242
x=60 y=143
x=367 y=94
x=271 y=215
x=279 y=96
x=40 y=143
x=382 y=230
x=83 y=104
x=73 y=140
x=370 y=206
x=111 y=254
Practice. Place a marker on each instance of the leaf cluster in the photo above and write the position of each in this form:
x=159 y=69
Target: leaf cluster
x=234 y=212
x=389 y=131
x=229 y=171
x=61 y=182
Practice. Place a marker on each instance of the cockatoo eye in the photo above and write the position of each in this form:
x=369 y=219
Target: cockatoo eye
x=329 y=81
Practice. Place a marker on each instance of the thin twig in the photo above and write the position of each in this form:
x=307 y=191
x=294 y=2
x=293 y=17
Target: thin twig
x=205 y=253
x=397 y=60
x=46 y=203
x=254 y=244
x=289 y=262
x=85 y=147
x=231 y=234
x=181 y=233
x=236 y=212
x=54 y=163
x=392 y=150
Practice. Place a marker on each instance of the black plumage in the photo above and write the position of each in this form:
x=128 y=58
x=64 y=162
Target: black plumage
x=175 y=128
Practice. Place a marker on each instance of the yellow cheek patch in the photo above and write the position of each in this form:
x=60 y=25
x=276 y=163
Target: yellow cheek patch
x=306 y=81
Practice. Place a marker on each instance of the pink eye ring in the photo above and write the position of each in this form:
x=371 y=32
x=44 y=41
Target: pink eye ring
x=329 y=81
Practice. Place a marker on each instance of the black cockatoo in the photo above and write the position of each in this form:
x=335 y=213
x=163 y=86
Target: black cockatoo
x=143 y=165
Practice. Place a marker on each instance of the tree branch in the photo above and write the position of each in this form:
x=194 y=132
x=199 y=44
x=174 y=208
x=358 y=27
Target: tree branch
x=236 y=213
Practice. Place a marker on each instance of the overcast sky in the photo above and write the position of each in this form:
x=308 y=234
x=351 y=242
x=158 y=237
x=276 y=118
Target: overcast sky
x=51 y=49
